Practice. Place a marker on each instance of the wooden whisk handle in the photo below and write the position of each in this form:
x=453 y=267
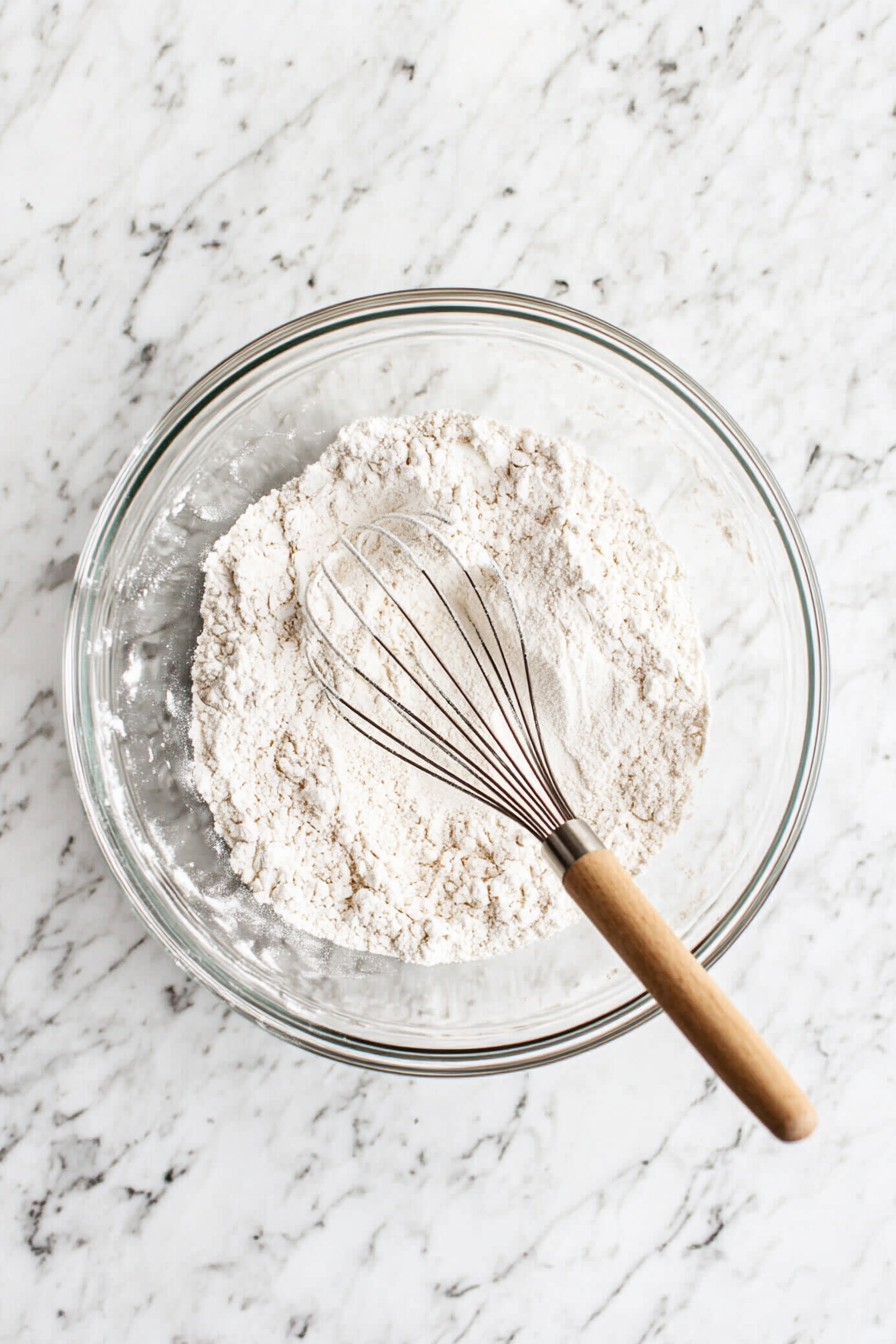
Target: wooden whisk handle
x=615 y=904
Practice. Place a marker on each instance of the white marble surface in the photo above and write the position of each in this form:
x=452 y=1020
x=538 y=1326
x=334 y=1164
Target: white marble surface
x=179 y=178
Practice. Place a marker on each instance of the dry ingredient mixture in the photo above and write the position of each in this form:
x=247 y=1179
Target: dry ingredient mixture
x=345 y=841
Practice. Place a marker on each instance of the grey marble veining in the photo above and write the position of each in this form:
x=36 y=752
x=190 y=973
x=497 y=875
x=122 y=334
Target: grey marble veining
x=177 y=179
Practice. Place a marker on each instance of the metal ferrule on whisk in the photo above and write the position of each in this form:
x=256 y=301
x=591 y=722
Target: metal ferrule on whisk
x=571 y=841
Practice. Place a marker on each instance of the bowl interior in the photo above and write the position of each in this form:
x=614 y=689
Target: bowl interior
x=255 y=424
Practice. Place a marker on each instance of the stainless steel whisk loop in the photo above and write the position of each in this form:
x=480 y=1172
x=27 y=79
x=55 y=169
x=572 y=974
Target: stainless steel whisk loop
x=474 y=727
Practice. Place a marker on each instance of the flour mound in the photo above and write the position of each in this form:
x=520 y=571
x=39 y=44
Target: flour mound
x=352 y=845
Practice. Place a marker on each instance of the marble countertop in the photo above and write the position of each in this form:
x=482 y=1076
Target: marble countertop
x=178 y=179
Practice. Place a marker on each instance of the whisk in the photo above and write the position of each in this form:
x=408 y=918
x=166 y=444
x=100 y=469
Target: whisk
x=417 y=641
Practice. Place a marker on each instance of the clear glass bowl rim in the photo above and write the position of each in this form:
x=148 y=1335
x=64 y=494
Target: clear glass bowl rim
x=193 y=958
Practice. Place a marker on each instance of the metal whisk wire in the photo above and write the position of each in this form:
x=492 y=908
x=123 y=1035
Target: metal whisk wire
x=508 y=770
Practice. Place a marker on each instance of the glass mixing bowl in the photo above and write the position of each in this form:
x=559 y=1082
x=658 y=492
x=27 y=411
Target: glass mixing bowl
x=254 y=422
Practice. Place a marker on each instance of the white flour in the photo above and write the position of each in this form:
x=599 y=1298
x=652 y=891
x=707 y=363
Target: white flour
x=347 y=842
